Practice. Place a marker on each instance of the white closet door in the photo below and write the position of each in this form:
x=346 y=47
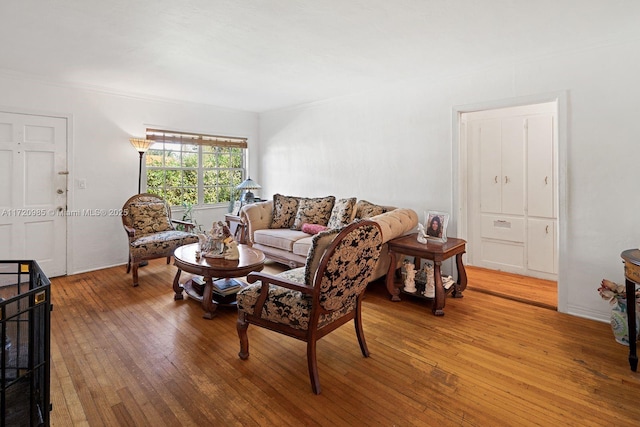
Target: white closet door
x=490 y=166
x=540 y=187
x=513 y=166
x=541 y=239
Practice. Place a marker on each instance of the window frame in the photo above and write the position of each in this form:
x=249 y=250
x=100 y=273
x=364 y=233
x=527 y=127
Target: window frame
x=202 y=142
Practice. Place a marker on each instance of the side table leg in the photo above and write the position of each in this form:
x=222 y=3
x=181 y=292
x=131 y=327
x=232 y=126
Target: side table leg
x=438 y=303
x=461 y=283
x=177 y=288
x=207 y=299
x=631 y=323
x=391 y=275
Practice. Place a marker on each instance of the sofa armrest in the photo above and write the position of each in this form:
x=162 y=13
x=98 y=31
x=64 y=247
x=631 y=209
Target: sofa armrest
x=257 y=216
x=396 y=223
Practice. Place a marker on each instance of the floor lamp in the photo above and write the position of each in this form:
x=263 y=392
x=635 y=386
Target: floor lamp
x=141 y=145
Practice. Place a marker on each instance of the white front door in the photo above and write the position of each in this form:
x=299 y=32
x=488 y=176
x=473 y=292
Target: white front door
x=33 y=190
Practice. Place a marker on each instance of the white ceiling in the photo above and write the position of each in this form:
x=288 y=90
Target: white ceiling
x=259 y=55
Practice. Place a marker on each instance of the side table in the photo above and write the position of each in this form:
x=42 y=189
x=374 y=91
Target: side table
x=631 y=259
x=436 y=252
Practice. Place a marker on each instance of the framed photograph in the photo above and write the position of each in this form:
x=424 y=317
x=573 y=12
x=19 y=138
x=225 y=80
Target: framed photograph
x=236 y=207
x=436 y=226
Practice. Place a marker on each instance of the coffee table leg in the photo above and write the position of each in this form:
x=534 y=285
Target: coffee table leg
x=207 y=299
x=177 y=288
x=438 y=303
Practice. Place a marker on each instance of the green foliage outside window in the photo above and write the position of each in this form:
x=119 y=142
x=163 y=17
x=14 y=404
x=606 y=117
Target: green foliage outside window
x=190 y=174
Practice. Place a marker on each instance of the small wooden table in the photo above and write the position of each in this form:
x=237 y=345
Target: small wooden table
x=436 y=252
x=631 y=259
x=185 y=259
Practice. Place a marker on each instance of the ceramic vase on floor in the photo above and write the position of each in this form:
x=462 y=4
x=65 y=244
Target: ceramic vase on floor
x=619 y=322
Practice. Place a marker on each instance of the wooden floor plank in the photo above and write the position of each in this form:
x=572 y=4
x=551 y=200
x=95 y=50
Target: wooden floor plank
x=135 y=356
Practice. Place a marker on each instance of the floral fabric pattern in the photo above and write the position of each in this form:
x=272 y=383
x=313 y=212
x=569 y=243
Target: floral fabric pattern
x=284 y=211
x=352 y=259
x=313 y=211
x=149 y=218
x=164 y=242
x=365 y=209
x=341 y=213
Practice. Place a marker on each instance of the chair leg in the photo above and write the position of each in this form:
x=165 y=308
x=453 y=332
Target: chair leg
x=169 y=259
x=129 y=265
x=313 y=366
x=357 y=320
x=242 y=325
x=135 y=273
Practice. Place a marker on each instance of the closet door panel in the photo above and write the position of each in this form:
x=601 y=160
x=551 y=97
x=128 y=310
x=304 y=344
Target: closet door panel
x=490 y=166
x=513 y=166
x=540 y=193
x=541 y=238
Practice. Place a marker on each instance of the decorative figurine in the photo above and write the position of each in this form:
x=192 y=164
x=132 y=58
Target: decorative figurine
x=231 y=252
x=430 y=286
x=409 y=283
x=422 y=236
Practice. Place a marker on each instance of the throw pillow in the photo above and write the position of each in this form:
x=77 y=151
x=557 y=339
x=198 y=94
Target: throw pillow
x=149 y=218
x=341 y=213
x=366 y=209
x=313 y=228
x=284 y=211
x=313 y=211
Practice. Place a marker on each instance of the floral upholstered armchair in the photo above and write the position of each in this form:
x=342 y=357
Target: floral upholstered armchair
x=147 y=220
x=309 y=302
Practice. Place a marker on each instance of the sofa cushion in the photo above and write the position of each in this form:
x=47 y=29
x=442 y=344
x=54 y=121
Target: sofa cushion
x=284 y=211
x=301 y=247
x=342 y=212
x=149 y=218
x=282 y=238
x=365 y=209
x=313 y=228
x=313 y=211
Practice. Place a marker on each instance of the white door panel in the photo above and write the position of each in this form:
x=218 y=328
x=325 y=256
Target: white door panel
x=540 y=187
x=490 y=166
x=513 y=166
x=33 y=192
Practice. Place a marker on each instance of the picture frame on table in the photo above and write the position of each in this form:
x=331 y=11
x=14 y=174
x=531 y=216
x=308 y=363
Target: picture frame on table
x=436 y=226
x=237 y=205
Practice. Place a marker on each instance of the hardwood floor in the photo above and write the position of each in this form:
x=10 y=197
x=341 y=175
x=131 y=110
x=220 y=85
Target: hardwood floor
x=543 y=293
x=124 y=356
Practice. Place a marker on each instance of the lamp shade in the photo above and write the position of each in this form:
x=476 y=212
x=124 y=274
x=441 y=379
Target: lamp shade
x=140 y=144
x=248 y=184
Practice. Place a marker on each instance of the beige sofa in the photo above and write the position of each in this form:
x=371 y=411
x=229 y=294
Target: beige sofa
x=286 y=243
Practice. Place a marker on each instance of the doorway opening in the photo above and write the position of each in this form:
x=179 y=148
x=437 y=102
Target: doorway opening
x=507 y=192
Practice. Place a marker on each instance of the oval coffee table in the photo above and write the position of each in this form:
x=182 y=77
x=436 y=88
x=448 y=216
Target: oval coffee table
x=210 y=268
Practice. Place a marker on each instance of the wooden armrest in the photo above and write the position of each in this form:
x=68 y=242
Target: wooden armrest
x=131 y=232
x=188 y=226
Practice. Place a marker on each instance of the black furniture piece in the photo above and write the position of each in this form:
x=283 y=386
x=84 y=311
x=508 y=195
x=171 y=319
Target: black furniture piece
x=631 y=259
x=25 y=344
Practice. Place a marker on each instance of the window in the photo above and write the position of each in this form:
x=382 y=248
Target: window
x=194 y=169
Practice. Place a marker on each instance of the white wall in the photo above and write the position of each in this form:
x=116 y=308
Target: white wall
x=395 y=146
x=100 y=152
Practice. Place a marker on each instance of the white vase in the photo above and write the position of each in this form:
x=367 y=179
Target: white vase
x=619 y=322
